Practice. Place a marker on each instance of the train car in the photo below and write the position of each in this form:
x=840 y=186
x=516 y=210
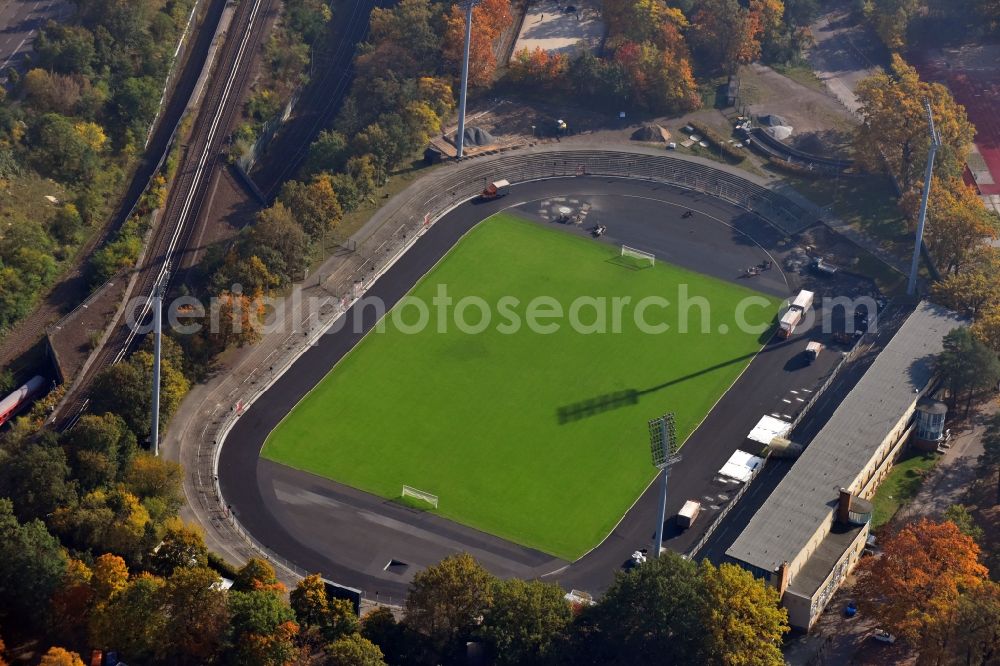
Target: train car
x=17 y=400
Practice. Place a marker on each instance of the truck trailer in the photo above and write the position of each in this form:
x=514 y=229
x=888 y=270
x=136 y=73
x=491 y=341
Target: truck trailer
x=795 y=313
x=495 y=190
x=688 y=514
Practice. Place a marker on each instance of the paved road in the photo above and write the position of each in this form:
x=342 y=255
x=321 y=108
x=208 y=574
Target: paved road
x=351 y=536
x=19 y=24
x=845 y=52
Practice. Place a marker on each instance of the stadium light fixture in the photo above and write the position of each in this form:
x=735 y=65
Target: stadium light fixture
x=911 y=286
x=663 y=448
x=468 y=6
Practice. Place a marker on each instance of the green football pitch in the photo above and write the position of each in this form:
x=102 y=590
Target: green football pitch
x=537 y=436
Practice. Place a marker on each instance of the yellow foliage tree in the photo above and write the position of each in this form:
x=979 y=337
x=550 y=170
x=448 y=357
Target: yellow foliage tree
x=92 y=134
x=894 y=132
x=110 y=576
x=746 y=620
x=57 y=656
x=957 y=222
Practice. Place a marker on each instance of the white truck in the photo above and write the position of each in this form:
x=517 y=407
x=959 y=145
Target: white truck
x=688 y=514
x=495 y=190
x=795 y=313
x=812 y=350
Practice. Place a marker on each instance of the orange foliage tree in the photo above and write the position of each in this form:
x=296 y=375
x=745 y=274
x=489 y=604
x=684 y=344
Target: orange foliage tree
x=538 y=67
x=490 y=19
x=914 y=588
x=726 y=34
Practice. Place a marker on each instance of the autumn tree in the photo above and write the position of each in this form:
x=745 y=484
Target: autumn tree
x=314 y=205
x=915 y=585
x=746 y=621
x=71 y=603
x=132 y=620
x=975 y=291
x=891 y=19
x=236 y=319
x=197 y=616
x=976 y=627
x=489 y=19
x=523 y=621
x=256 y=574
x=725 y=34
x=322 y=619
x=57 y=656
x=397 y=641
x=957 y=222
x=280 y=242
x=446 y=600
x=894 y=131
x=183 y=545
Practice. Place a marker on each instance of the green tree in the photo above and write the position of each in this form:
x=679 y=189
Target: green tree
x=36 y=477
x=967 y=366
x=327 y=153
x=126 y=389
x=65 y=150
x=966 y=524
x=653 y=614
x=101 y=449
x=399 y=644
x=32 y=569
x=523 y=620
x=446 y=600
x=263 y=627
x=990 y=457
x=353 y=650
x=745 y=620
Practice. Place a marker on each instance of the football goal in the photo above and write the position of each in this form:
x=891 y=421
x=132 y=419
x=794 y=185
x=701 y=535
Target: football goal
x=638 y=255
x=409 y=491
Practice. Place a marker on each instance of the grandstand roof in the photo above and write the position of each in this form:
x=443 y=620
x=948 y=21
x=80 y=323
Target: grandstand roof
x=808 y=494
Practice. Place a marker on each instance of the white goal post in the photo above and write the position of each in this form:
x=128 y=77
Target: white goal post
x=638 y=254
x=409 y=491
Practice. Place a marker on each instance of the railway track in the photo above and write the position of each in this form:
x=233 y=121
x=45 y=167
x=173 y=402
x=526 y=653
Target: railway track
x=169 y=241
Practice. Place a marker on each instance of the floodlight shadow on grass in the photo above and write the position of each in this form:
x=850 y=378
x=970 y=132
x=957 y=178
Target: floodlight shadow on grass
x=618 y=399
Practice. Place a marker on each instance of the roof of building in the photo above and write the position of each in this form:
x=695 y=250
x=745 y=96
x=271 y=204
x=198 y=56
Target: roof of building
x=806 y=497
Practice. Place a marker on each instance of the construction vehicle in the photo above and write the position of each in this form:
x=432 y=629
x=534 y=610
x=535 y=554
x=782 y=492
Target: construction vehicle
x=688 y=514
x=495 y=190
x=795 y=313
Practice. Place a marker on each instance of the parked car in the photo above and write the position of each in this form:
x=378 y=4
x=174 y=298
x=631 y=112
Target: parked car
x=883 y=636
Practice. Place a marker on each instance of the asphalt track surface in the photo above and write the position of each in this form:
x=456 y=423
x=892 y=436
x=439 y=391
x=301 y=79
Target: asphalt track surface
x=367 y=542
x=20 y=21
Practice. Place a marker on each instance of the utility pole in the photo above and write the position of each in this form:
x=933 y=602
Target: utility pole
x=911 y=287
x=460 y=136
x=663 y=448
x=154 y=433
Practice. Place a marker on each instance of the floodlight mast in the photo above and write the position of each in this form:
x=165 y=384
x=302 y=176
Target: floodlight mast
x=663 y=449
x=911 y=286
x=460 y=135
